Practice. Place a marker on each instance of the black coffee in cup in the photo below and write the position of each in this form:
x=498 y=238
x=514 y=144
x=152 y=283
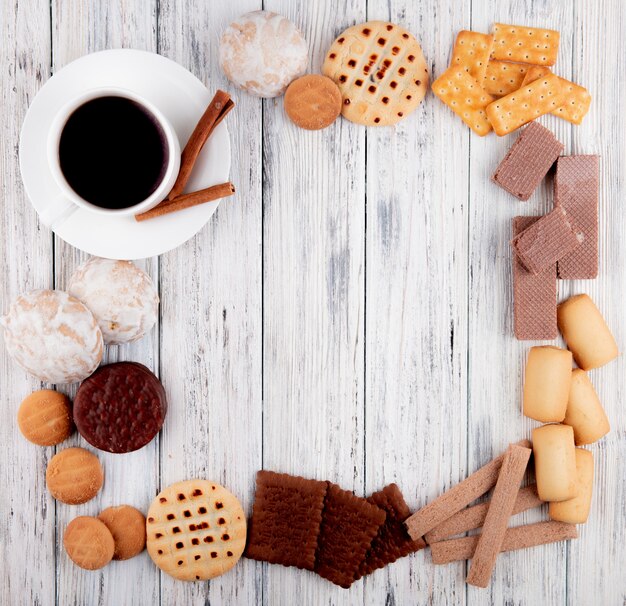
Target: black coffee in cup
x=113 y=152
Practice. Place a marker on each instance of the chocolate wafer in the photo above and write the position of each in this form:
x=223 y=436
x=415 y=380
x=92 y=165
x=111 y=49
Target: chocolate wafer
x=528 y=161
x=534 y=297
x=576 y=191
x=392 y=541
x=349 y=525
x=286 y=520
x=547 y=240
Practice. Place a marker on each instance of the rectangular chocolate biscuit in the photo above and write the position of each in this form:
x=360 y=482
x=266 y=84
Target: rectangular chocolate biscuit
x=534 y=297
x=528 y=161
x=576 y=191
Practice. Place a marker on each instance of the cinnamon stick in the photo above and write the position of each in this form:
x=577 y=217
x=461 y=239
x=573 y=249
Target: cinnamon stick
x=201 y=196
x=217 y=110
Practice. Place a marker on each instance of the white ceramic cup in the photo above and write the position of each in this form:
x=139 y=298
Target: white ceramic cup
x=59 y=209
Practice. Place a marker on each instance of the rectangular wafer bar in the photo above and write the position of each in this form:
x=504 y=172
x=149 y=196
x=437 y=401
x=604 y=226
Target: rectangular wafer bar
x=349 y=525
x=528 y=161
x=547 y=240
x=520 y=537
x=455 y=499
x=471 y=52
x=498 y=514
x=576 y=191
x=392 y=541
x=525 y=44
x=503 y=77
x=534 y=296
x=474 y=517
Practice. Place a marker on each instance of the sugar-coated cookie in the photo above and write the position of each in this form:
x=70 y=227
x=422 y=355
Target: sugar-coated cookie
x=313 y=102
x=74 y=476
x=122 y=298
x=88 y=543
x=53 y=336
x=196 y=530
x=128 y=527
x=380 y=70
x=45 y=417
x=262 y=52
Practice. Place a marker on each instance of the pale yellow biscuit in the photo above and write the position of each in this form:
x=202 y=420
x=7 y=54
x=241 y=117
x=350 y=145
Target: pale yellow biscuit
x=584 y=410
x=465 y=97
x=471 y=52
x=88 y=543
x=503 y=77
x=74 y=476
x=196 y=530
x=576 y=510
x=555 y=462
x=381 y=72
x=525 y=44
x=45 y=417
x=128 y=527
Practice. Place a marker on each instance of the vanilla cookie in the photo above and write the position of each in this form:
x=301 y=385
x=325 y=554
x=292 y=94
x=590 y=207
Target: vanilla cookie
x=313 y=102
x=74 y=476
x=380 y=70
x=88 y=543
x=128 y=527
x=196 y=530
x=45 y=417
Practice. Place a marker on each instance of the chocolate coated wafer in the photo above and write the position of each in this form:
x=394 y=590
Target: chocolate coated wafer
x=576 y=191
x=528 y=161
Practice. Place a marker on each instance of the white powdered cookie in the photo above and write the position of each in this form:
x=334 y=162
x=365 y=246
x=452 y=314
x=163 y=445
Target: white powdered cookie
x=53 y=336
x=380 y=70
x=196 y=530
x=262 y=52
x=121 y=296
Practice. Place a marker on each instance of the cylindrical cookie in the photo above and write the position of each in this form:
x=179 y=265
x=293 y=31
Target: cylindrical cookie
x=576 y=510
x=584 y=410
x=45 y=417
x=88 y=543
x=555 y=462
x=74 y=476
x=313 y=102
x=128 y=527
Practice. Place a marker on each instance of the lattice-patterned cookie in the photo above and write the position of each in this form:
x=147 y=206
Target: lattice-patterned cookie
x=196 y=530
x=380 y=70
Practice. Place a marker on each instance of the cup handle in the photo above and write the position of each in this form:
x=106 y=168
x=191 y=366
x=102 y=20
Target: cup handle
x=57 y=211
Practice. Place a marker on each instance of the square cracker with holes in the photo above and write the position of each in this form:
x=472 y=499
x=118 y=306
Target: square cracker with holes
x=525 y=44
x=471 y=52
x=503 y=77
x=465 y=97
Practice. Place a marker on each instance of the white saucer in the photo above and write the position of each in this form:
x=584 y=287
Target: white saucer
x=180 y=96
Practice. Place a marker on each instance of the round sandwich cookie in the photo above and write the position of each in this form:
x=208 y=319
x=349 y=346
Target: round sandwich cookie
x=74 y=476
x=88 y=543
x=45 y=417
x=196 y=530
x=128 y=527
x=380 y=70
x=120 y=407
x=313 y=102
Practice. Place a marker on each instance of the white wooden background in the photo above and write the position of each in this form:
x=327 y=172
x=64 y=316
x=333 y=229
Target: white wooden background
x=346 y=316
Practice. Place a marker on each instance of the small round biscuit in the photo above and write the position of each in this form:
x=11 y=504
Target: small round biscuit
x=313 y=102
x=196 y=530
x=45 y=417
x=74 y=476
x=128 y=527
x=88 y=543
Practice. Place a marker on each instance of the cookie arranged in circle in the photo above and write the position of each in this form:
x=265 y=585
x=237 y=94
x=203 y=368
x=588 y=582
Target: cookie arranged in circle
x=45 y=417
x=74 y=476
x=88 y=543
x=120 y=407
x=380 y=70
x=196 y=530
x=313 y=102
x=128 y=527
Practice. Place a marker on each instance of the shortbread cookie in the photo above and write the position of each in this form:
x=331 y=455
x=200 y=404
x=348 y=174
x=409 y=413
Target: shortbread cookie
x=313 y=102
x=53 y=336
x=196 y=530
x=380 y=70
x=74 y=476
x=88 y=543
x=122 y=298
x=45 y=417
x=128 y=527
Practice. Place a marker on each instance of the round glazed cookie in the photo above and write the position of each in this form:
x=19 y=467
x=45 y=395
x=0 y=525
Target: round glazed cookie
x=262 y=52
x=122 y=298
x=88 y=543
x=313 y=102
x=53 y=336
x=74 y=476
x=128 y=527
x=120 y=408
x=196 y=530
x=45 y=417
x=380 y=70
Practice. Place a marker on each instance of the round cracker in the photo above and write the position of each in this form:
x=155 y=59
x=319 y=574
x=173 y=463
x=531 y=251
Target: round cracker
x=196 y=530
x=380 y=70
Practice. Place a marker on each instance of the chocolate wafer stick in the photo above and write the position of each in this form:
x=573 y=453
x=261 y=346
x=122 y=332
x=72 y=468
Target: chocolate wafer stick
x=498 y=514
x=456 y=498
x=520 y=537
x=474 y=517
